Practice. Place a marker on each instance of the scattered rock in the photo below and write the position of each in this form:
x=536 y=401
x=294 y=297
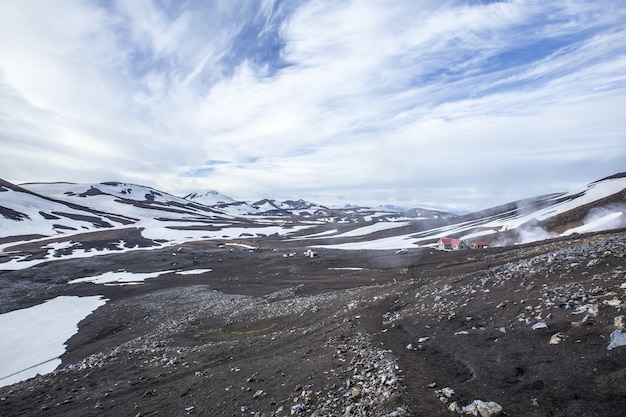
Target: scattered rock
x=482 y=409
x=557 y=338
x=297 y=409
x=615 y=302
x=454 y=407
x=447 y=391
x=618 y=338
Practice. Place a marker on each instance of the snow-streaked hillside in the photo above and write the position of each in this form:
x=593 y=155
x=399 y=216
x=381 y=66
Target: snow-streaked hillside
x=121 y=190
x=599 y=206
x=289 y=207
x=63 y=209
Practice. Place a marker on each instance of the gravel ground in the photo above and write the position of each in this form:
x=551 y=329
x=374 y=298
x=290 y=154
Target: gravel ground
x=517 y=331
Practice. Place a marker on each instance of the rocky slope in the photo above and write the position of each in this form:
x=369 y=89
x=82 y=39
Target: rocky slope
x=522 y=330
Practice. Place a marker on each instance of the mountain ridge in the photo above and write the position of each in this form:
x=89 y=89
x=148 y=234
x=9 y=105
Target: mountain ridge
x=60 y=208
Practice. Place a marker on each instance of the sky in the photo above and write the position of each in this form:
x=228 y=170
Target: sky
x=460 y=105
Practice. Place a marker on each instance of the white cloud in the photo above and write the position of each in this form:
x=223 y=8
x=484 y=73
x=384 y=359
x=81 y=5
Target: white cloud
x=458 y=103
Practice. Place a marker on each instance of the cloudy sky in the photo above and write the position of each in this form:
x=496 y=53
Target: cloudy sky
x=455 y=104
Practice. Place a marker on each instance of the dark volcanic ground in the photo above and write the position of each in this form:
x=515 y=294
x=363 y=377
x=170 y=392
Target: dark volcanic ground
x=349 y=333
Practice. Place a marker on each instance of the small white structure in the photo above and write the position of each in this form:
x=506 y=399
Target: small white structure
x=310 y=253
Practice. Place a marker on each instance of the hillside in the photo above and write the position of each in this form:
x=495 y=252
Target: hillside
x=143 y=303
x=52 y=209
x=223 y=331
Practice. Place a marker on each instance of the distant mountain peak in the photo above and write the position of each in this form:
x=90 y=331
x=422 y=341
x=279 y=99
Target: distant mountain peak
x=209 y=198
x=288 y=206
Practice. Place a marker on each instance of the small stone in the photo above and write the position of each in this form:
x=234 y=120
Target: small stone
x=618 y=338
x=539 y=325
x=431 y=385
x=620 y=323
x=557 y=338
x=483 y=409
x=355 y=393
x=448 y=392
x=613 y=303
x=297 y=409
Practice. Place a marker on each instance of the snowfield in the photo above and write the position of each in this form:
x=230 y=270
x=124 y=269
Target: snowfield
x=34 y=338
x=119 y=278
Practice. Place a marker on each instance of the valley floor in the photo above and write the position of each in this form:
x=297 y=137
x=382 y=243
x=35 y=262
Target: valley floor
x=347 y=333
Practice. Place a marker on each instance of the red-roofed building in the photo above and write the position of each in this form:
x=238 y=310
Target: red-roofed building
x=479 y=244
x=450 y=243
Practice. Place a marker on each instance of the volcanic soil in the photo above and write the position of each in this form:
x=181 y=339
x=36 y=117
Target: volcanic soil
x=346 y=333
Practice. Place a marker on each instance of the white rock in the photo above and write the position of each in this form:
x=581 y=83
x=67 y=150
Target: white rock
x=454 y=407
x=613 y=303
x=483 y=409
x=557 y=338
x=618 y=338
x=447 y=391
x=540 y=325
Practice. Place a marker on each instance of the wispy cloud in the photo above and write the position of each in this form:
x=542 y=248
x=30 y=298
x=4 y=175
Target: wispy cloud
x=459 y=102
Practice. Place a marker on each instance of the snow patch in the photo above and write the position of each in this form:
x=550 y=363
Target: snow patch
x=34 y=338
x=193 y=272
x=119 y=278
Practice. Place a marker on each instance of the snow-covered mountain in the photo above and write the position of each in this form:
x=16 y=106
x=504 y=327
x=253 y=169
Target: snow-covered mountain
x=423 y=213
x=217 y=200
x=38 y=210
x=289 y=207
x=598 y=206
x=52 y=208
x=209 y=198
